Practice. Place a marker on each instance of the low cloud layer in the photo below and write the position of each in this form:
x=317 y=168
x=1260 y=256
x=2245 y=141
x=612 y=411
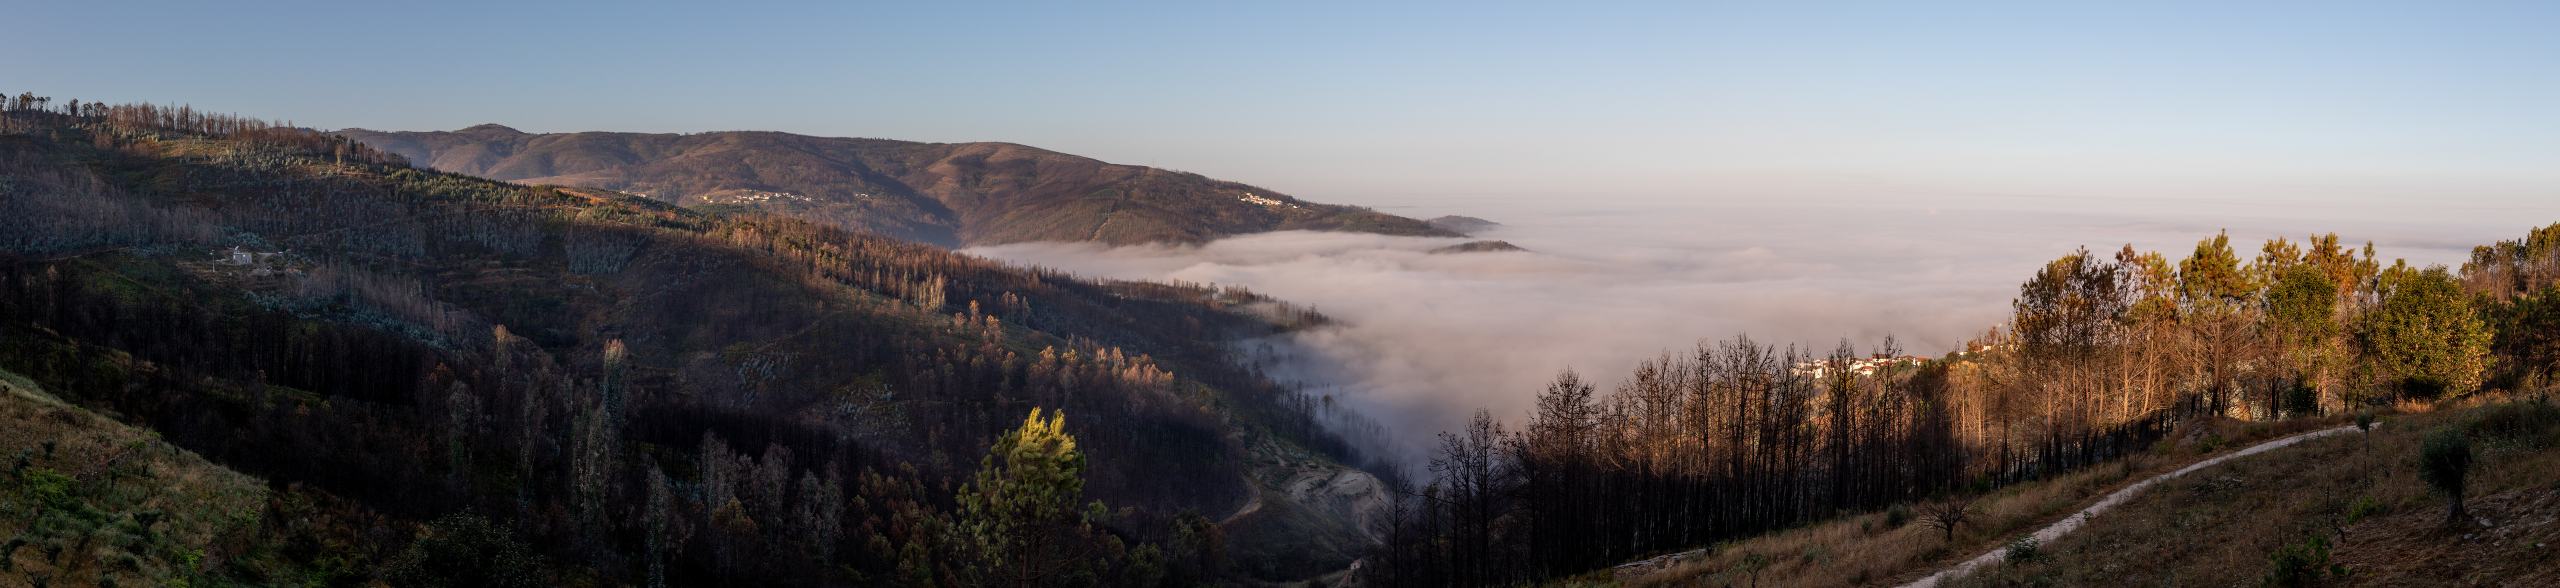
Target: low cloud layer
x=1425 y=339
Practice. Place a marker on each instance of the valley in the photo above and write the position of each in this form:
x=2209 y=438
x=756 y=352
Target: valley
x=606 y=372
x=787 y=293
x=606 y=387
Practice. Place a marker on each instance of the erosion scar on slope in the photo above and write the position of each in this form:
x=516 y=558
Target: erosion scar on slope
x=1096 y=233
x=2073 y=522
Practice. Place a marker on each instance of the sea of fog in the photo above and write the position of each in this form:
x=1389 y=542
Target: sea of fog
x=1425 y=339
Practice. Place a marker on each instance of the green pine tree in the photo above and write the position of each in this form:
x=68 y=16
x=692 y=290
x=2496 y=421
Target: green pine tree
x=2425 y=337
x=1019 y=518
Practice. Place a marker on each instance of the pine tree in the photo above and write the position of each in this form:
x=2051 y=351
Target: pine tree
x=2301 y=310
x=2425 y=337
x=2216 y=292
x=1020 y=517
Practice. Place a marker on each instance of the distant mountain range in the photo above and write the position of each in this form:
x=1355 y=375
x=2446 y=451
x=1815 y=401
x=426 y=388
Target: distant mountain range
x=948 y=194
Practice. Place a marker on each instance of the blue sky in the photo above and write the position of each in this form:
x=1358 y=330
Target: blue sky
x=2078 y=103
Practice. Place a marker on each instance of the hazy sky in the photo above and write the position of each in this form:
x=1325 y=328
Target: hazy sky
x=1356 y=102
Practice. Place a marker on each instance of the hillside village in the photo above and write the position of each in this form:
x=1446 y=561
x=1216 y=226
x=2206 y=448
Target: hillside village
x=1860 y=367
x=1251 y=198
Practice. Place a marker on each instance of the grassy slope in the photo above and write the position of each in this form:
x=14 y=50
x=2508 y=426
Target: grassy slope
x=89 y=501
x=1869 y=549
x=2220 y=526
x=2361 y=495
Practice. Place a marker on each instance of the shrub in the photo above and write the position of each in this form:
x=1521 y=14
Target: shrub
x=2301 y=564
x=2364 y=506
x=2025 y=549
x=1752 y=564
x=2364 y=421
x=2444 y=461
x=1897 y=516
x=48 y=488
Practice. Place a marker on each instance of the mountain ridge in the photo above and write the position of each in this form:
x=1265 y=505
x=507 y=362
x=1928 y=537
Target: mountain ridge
x=594 y=370
x=946 y=194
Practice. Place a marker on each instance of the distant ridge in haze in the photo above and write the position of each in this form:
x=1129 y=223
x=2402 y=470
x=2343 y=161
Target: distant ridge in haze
x=1464 y=225
x=949 y=194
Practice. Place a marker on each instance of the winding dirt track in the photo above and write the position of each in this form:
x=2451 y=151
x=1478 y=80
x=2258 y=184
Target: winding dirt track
x=2073 y=522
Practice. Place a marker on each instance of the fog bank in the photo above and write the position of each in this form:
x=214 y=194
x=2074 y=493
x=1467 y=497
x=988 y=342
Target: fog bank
x=1425 y=339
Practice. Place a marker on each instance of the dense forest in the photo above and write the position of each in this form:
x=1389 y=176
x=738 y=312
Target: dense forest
x=2103 y=355
x=566 y=386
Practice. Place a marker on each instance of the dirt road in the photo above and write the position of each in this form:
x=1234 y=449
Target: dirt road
x=2073 y=522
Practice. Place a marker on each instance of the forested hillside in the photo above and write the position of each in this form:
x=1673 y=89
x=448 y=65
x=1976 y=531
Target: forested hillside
x=948 y=194
x=619 y=391
x=2104 y=356
x=523 y=385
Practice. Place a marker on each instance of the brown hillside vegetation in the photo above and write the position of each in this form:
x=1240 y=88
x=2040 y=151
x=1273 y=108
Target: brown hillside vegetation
x=947 y=194
x=628 y=389
x=2340 y=511
x=1894 y=546
x=2221 y=526
x=88 y=501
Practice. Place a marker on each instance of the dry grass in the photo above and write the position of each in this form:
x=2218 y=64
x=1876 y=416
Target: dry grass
x=97 y=502
x=2358 y=494
x=1865 y=550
